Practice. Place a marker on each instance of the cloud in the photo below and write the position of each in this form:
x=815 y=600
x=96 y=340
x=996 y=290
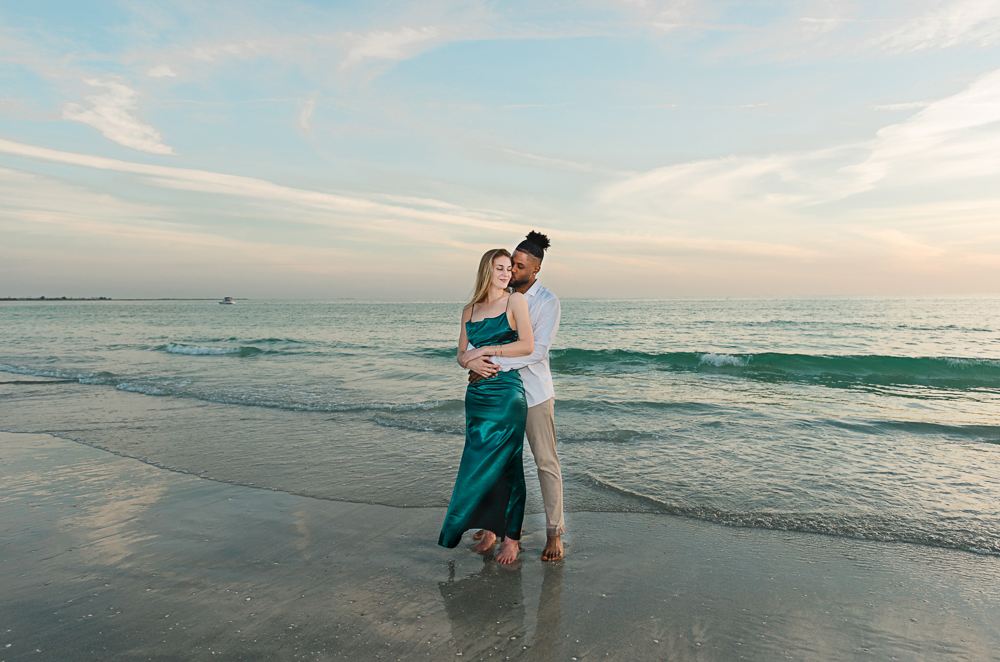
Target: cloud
x=535 y=105
x=950 y=138
x=648 y=106
x=738 y=184
x=400 y=44
x=111 y=113
x=205 y=181
x=407 y=219
x=54 y=207
x=305 y=115
x=549 y=162
x=161 y=71
x=945 y=139
x=954 y=24
x=908 y=105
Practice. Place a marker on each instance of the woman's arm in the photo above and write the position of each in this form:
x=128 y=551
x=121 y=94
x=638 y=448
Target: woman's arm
x=544 y=325
x=463 y=338
x=525 y=343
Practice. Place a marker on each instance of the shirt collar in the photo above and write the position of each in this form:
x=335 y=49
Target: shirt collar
x=534 y=289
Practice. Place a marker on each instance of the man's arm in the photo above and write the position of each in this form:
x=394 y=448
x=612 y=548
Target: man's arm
x=480 y=368
x=545 y=328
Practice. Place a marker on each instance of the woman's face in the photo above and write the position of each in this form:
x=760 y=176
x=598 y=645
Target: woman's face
x=501 y=272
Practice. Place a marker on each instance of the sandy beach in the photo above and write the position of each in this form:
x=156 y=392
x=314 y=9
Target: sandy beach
x=107 y=557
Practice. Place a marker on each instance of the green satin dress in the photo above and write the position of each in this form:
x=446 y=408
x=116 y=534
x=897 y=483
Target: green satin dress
x=489 y=490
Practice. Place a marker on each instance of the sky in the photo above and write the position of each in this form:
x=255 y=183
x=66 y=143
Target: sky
x=320 y=150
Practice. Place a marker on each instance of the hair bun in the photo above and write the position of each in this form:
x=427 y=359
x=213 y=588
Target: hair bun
x=538 y=239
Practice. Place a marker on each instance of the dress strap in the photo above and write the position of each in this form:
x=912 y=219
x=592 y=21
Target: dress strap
x=508 y=303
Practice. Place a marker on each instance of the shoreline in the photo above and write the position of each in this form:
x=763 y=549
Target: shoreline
x=160 y=431
x=658 y=509
x=46 y=299
x=105 y=555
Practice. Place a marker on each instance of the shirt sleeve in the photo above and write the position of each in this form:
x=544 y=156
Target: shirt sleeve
x=545 y=327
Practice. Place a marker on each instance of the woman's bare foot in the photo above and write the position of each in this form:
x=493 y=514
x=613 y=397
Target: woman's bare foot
x=508 y=551
x=553 y=548
x=486 y=542
x=479 y=534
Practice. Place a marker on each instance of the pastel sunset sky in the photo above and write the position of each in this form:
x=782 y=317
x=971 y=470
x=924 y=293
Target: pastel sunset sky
x=374 y=149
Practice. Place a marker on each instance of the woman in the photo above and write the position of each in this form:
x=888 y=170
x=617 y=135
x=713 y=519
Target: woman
x=489 y=490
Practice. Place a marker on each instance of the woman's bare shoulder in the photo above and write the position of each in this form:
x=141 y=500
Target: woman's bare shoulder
x=518 y=300
x=467 y=312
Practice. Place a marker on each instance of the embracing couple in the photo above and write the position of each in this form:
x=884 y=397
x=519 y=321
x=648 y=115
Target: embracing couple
x=504 y=342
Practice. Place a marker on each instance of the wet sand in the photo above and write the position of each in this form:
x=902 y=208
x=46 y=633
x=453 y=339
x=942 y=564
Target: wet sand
x=106 y=557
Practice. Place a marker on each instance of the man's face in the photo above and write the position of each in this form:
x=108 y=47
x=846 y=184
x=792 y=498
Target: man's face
x=524 y=268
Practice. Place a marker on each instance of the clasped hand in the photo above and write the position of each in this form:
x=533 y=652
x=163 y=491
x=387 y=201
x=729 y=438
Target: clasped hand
x=481 y=368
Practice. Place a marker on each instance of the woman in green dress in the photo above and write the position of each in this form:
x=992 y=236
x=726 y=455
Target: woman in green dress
x=489 y=490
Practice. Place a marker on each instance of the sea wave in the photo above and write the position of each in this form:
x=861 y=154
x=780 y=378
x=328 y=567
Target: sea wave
x=720 y=360
x=197 y=350
x=882 y=527
x=276 y=398
x=986 y=433
x=455 y=425
x=822 y=369
x=827 y=370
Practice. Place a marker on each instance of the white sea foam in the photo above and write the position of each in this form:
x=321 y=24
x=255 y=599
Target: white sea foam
x=963 y=363
x=175 y=348
x=719 y=360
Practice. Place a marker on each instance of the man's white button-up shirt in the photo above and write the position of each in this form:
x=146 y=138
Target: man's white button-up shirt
x=544 y=310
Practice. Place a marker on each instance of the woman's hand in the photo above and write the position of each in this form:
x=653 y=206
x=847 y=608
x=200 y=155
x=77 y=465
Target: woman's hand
x=474 y=354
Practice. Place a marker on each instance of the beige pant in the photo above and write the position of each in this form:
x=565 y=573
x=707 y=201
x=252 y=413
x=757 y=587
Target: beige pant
x=541 y=432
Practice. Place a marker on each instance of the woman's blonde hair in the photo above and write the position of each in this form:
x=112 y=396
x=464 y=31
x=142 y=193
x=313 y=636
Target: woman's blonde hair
x=485 y=274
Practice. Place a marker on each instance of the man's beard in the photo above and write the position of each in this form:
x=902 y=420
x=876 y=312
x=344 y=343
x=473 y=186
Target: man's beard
x=517 y=282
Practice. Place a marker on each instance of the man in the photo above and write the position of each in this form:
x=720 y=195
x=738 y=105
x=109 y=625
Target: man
x=544 y=310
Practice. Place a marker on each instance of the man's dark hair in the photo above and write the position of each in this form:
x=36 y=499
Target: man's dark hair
x=534 y=244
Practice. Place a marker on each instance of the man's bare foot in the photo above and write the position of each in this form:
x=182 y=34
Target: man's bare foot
x=508 y=551
x=486 y=542
x=553 y=548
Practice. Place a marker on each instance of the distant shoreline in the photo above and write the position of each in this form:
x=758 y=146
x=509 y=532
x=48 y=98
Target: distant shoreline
x=106 y=299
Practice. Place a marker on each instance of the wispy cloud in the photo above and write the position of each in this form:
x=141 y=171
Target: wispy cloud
x=112 y=113
x=947 y=139
x=942 y=139
x=535 y=105
x=161 y=71
x=49 y=206
x=305 y=115
x=646 y=106
x=907 y=105
x=205 y=181
x=400 y=44
x=951 y=24
x=852 y=29
x=550 y=162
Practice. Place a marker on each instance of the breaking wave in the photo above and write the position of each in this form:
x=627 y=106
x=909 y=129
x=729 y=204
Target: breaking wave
x=940 y=372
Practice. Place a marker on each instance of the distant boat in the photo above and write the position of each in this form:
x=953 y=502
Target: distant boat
x=227 y=300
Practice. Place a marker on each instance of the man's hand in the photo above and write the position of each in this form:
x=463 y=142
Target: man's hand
x=482 y=367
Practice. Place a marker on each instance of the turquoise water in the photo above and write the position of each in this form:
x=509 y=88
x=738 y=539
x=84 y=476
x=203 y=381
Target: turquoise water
x=866 y=417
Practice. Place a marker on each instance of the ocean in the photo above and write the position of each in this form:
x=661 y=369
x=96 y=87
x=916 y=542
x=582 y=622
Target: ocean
x=865 y=417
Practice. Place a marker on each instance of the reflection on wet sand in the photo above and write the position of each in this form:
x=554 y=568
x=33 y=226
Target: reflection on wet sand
x=486 y=611
x=548 y=625
x=97 y=550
